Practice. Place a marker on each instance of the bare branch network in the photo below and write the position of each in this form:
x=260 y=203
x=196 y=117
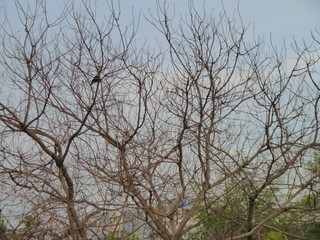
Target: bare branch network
x=206 y=136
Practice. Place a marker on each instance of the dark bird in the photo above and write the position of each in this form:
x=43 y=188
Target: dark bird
x=95 y=80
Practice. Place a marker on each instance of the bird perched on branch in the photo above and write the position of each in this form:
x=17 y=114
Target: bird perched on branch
x=95 y=79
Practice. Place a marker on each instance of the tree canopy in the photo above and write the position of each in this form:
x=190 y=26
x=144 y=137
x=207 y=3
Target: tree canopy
x=205 y=136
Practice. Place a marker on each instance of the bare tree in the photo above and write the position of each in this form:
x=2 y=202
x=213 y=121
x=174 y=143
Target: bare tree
x=98 y=134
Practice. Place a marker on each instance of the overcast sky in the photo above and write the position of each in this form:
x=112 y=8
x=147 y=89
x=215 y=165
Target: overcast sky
x=282 y=19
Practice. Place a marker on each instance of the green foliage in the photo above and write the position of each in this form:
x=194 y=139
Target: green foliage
x=275 y=236
x=30 y=221
x=221 y=218
x=230 y=213
x=314 y=165
x=134 y=238
x=3 y=223
x=313 y=232
x=299 y=223
x=120 y=235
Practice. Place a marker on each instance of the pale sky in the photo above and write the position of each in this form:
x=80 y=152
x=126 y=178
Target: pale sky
x=283 y=19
